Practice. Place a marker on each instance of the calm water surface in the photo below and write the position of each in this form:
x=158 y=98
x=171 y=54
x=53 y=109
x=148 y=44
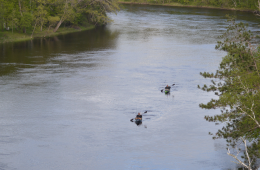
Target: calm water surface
x=66 y=101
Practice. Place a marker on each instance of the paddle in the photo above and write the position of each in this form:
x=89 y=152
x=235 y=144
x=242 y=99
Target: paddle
x=134 y=118
x=172 y=85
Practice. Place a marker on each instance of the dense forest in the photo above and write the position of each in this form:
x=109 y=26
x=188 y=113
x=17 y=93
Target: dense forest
x=24 y=15
x=28 y=16
x=237 y=4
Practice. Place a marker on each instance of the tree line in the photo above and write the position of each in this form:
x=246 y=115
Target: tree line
x=248 y=4
x=22 y=15
x=237 y=85
x=237 y=4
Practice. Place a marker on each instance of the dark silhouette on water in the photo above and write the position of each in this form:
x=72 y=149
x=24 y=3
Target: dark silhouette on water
x=167 y=89
x=138 y=122
x=138 y=119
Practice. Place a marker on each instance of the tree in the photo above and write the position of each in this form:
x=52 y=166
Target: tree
x=96 y=10
x=2 y=14
x=258 y=5
x=237 y=83
x=14 y=20
x=53 y=21
x=32 y=13
x=40 y=13
x=66 y=8
x=26 y=21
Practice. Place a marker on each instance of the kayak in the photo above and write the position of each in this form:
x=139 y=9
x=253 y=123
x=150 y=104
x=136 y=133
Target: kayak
x=138 y=121
x=167 y=89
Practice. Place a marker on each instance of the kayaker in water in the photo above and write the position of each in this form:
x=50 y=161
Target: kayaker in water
x=138 y=119
x=138 y=116
x=167 y=87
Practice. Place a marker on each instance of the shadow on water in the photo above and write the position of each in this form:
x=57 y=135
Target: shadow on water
x=138 y=123
x=28 y=54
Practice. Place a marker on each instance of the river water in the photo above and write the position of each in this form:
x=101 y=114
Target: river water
x=66 y=102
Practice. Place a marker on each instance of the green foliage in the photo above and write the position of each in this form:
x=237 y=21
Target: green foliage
x=24 y=14
x=96 y=10
x=40 y=15
x=183 y=1
x=53 y=20
x=26 y=20
x=238 y=4
x=237 y=83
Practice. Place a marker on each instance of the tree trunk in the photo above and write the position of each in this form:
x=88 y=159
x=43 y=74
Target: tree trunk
x=33 y=30
x=2 y=24
x=58 y=25
x=41 y=27
x=258 y=5
x=20 y=7
x=24 y=30
x=47 y=31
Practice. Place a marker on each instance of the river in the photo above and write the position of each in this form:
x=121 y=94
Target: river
x=66 y=102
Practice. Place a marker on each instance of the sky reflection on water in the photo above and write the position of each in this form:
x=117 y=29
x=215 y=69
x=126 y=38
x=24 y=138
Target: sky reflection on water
x=66 y=101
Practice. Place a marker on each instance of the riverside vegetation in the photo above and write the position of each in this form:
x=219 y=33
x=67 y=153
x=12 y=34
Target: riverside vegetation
x=237 y=85
x=24 y=19
x=249 y=5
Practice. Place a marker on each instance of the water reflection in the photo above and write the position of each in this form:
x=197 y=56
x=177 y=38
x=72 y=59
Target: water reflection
x=41 y=51
x=66 y=101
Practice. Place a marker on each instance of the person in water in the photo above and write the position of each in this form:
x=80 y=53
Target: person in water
x=138 y=116
x=167 y=87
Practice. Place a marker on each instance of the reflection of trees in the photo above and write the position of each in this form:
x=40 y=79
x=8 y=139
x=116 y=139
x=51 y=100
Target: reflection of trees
x=39 y=51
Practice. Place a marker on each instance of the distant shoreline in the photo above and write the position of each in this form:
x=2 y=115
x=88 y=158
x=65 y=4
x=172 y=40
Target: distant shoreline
x=188 y=6
x=8 y=36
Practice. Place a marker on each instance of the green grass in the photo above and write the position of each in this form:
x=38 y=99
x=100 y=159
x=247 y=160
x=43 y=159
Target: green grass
x=8 y=36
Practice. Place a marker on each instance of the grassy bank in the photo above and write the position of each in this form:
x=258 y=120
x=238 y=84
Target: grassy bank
x=176 y=4
x=8 y=36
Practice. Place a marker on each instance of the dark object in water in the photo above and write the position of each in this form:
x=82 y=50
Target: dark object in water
x=167 y=89
x=138 y=117
x=173 y=84
x=138 y=121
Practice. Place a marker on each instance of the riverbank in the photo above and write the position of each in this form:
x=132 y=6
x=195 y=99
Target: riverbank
x=9 y=36
x=175 y=4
